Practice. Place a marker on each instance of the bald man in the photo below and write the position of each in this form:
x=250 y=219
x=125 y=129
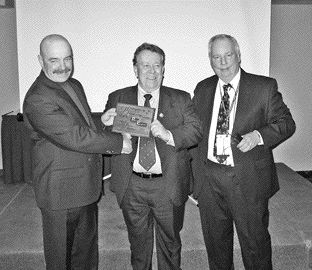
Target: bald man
x=66 y=159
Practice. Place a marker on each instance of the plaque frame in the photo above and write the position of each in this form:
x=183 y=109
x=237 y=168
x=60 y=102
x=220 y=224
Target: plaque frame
x=133 y=119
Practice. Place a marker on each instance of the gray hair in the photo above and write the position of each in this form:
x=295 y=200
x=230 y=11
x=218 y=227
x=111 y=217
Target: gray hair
x=223 y=36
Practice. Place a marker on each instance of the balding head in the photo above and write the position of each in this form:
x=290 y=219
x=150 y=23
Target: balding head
x=56 y=58
x=52 y=39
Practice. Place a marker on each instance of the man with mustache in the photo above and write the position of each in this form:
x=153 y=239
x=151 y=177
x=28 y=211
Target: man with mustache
x=66 y=159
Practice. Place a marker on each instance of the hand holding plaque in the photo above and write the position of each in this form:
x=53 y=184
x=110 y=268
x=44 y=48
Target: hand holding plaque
x=107 y=118
x=133 y=119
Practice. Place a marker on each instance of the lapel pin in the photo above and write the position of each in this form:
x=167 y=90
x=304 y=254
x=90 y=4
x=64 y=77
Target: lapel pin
x=161 y=115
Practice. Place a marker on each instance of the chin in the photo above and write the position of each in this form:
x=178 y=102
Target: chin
x=225 y=75
x=151 y=88
x=61 y=78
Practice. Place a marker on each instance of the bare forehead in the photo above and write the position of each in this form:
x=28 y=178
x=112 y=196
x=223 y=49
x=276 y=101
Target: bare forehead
x=222 y=45
x=55 y=46
x=147 y=55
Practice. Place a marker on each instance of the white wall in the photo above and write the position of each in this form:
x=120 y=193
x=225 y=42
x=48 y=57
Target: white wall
x=9 y=93
x=104 y=35
x=291 y=64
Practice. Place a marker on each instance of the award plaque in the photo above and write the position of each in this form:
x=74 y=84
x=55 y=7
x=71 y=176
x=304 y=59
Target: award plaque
x=133 y=119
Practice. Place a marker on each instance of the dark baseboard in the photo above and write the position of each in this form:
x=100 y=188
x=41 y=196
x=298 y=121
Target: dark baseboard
x=291 y=2
x=306 y=174
x=1 y=176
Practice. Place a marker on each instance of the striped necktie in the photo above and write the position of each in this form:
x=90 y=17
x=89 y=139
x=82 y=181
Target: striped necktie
x=147 y=157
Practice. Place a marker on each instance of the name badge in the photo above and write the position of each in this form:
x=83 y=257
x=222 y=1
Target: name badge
x=223 y=142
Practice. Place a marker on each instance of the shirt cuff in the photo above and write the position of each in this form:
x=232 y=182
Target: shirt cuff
x=170 y=141
x=260 y=137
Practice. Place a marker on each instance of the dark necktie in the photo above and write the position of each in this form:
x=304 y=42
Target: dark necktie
x=223 y=120
x=147 y=156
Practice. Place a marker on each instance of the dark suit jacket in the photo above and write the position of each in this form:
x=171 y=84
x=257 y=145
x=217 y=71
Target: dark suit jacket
x=66 y=159
x=260 y=107
x=176 y=113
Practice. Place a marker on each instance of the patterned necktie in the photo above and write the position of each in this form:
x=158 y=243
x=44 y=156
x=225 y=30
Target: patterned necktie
x=147 y=157
x=223 y=120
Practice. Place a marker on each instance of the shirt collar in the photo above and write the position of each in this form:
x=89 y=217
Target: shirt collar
x=234 y=82
x=142 y=92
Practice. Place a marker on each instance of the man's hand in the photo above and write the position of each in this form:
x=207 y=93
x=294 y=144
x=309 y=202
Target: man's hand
x=159 y=131
x=108 y=117
x=126 y=144
x=249 y=141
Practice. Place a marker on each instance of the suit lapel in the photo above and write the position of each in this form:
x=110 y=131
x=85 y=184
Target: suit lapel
x=205 y=110
x=84 y=103
x=130 y=96
x=207 y=105
x=165 y=104
x=57 y=89
x=243 y=102
x=61 y=93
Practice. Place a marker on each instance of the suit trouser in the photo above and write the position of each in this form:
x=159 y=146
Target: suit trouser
x=146 y=206
x=221 y=202
x=70 y=238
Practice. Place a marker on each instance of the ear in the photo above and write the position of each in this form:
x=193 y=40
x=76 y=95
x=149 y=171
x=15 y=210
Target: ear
x=135 y=69
x=40 y=60
x=239 y=57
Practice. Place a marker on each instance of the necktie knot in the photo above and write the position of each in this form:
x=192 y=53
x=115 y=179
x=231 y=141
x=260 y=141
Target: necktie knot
x=147 y=99
x=148 y=96
x=226 y=88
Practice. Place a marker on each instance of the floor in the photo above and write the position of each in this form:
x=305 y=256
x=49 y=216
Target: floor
x=290 y=228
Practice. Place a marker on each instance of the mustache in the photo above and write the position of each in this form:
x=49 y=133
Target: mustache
x=61 y=71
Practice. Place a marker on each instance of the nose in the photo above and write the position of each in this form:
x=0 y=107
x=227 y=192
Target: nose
x=223 y=60
x=151 y=69
x=62 y=64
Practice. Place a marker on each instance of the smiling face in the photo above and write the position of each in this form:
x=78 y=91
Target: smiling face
x=56 y=59
x=224 y=59
x=149 y=70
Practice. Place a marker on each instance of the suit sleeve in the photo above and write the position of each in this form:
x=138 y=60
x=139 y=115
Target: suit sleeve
x=111 y=103
x=280 y=124
x=57 y=125
x=190 y=132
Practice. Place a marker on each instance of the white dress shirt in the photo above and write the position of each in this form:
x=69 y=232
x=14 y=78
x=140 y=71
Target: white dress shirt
x=154 y=101
x=234 y=94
